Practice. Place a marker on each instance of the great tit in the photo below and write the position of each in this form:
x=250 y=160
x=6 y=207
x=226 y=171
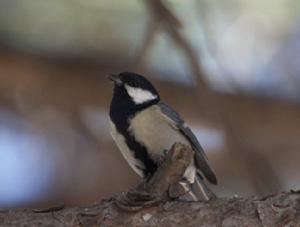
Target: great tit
x=145 y=128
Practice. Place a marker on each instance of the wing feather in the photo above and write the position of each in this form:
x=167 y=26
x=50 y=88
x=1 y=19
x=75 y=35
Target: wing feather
x=200 y=157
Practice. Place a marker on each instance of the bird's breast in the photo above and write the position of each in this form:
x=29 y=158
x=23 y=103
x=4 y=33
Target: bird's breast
x=155 y=131
x=128 y=154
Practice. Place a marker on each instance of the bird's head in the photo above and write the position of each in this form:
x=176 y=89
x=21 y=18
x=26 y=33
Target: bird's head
x=134 y=89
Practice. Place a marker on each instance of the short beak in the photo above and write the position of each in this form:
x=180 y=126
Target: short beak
x=115 y=78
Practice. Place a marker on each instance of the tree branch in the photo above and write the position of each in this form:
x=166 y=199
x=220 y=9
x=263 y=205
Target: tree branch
x=280 y=209
x=275 y=210
x=156 y=189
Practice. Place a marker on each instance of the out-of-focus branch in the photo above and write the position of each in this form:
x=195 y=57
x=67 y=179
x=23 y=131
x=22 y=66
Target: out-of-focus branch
x=147 y=44
x=161 y=13
x=164 y=19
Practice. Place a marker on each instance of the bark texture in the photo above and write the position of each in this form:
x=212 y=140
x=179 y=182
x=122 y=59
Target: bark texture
x=280 y=209
x=148 y=205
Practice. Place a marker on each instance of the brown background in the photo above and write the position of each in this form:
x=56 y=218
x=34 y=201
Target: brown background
x=229 y=69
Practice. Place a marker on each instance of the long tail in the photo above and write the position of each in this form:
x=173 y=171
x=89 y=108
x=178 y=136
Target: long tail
x=198 y=191
x=201 y=191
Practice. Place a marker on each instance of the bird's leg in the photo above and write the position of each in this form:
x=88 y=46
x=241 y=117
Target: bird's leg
x=179 y=189
x=139 y=192
x=139 y=195
x=147 y=178
x=154 y=191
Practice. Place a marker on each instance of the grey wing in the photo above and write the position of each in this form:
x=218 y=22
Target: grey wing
x=200 y=157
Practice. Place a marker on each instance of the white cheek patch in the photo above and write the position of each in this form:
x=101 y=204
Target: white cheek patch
x=139 y=95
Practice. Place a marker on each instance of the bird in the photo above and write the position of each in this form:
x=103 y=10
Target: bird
x=144 y=129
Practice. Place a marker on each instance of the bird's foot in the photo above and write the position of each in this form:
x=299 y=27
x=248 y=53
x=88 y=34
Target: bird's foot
x=136 y=200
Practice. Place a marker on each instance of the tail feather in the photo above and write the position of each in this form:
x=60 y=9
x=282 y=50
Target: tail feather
x=198 y=191
x=201 y=190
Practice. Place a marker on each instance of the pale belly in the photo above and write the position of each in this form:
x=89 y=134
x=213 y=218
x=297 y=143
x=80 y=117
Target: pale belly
x=155 y=132
x=158 y=134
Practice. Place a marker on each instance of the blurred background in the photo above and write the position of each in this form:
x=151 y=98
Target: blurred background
x=230 y=68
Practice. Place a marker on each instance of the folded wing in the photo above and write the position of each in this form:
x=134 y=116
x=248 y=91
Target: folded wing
x=201 y=160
